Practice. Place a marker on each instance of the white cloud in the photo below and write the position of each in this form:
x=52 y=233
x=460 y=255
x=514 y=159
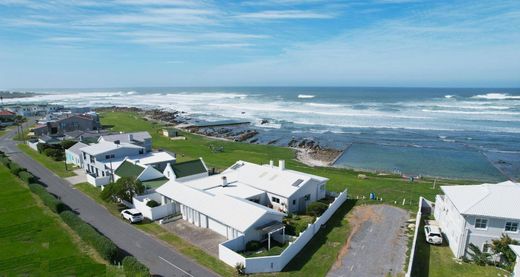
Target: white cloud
x=285 y=14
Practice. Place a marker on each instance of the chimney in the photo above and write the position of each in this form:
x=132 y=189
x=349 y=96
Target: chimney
x=130 y=137
x=281 y=164
x=271 y=163
x=224 y=181
x=80 y=138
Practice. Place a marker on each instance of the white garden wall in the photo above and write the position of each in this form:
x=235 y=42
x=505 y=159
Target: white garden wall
x=154 y=213
x=276 y=263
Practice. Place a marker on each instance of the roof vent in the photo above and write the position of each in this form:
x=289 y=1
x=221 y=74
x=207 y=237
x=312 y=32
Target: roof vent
x=281 y=164
x=224 y=181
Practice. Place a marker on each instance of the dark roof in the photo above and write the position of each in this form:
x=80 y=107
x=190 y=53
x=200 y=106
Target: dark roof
x=128 y=169
x=188 y=168
x=155 y=183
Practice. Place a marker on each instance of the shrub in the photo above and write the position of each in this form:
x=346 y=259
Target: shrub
x=240 y=268
x=66 y=144
x=152 y=204
x=27 y=177
x=316 y=208
x=253 y=245
x=5 y=161
x=15 y=168
x=105 y=247
x=133 y=267
x=55 y=154
x=48 y=199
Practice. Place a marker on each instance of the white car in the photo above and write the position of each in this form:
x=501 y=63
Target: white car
x=132 y=215
x=433 y=234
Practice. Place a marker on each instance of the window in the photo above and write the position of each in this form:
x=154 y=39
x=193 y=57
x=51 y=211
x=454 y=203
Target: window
x=307 y=197
x=511 y=227
x=294 y=202
x=107 y=157
x=275 y=199
x=486 y=248
x=322 y=187
x=481 y=223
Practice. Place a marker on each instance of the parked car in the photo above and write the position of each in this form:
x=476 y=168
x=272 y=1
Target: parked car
x=132 y=215
x=433 y=234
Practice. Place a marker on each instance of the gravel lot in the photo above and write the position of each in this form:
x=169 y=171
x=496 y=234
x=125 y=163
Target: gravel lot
x=377 y=244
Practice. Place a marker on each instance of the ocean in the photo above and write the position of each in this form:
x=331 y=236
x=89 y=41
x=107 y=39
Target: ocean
x=465 y=133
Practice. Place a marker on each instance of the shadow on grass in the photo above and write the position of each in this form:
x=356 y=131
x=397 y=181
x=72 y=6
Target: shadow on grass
x=320 y=238
x=421 y=262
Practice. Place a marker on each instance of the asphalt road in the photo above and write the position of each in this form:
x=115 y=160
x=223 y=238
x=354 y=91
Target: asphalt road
x=159 y=257
x=378 y=244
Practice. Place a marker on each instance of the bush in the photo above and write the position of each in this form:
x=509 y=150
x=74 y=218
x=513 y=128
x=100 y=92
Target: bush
x=55 y=154
x=66 y=144
x=133 y=267
x=5 y=161
x=27 y=177
x=316 y=208
x=14 y=168
x=105 y=247
x=253 y=245
x=152 y=204
x=48 y=199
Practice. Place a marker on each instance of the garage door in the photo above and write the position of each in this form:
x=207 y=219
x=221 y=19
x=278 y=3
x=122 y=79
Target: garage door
x=217 y=227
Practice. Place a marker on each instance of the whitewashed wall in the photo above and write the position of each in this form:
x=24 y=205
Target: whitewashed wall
x=276 y=263
x=100 y=181
x=154 y=213
x=422 y=203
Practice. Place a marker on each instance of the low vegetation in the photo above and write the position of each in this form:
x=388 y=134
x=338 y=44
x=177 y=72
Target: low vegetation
x=58 y=167
x=134 y=268
x=123 y=189
x=33 y=242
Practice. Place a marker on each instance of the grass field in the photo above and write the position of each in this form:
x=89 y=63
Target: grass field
x=392 y=189
x=438 y=261
x=57 y=167
x=34 y=241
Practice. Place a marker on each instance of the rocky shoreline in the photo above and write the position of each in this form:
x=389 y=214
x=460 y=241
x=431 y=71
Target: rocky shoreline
x=308 y=151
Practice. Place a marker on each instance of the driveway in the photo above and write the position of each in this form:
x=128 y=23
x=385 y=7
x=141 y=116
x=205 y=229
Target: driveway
x=162 y=259
x=80 y=177
x=377 y=243
x=204 y=238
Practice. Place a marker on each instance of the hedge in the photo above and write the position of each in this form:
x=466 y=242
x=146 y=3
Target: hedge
x=105 y=247
x=48 y=199
x=5 y=161
x=133 y=267
x=14 y=168
x=26 y=177
x=317 y=208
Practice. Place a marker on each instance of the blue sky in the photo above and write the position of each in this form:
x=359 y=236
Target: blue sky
x=126 y=43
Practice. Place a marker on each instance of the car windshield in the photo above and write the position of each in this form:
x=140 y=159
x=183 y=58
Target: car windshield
x=137 y=214
x=434 y=235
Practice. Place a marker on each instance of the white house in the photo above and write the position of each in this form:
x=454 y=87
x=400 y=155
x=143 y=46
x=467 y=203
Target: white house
x=98 y=159
x=137 y=138
x=516 y=249
x=227 y=215
x=187 y=170
x=73 y=154
x=246 y=199
x=478 y=214
x=285 y=190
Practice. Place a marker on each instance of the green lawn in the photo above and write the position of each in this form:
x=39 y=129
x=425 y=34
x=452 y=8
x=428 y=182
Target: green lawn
x=317 y=257
x=57 y=167
x=34 y=241
x=438 y=261
x=392 y=189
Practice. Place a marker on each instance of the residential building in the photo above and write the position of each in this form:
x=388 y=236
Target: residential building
x=244 y=199
x=478 y=214
x=6 y=116
x=147 y=174
x=138 y=138
x=33 y=109
x=187 y=170
x=68 y=123
x=98 y=159
x=74 y=156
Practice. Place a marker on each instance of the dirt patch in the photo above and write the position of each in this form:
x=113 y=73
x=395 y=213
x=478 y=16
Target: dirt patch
x=376 y=232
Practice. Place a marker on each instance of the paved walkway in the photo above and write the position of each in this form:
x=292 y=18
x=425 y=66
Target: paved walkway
x=377 y=243
x=79 y=178
x=204 y=238
x=162 y=259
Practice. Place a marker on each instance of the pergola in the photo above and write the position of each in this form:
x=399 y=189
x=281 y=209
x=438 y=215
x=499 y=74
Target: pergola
x=272 y=228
